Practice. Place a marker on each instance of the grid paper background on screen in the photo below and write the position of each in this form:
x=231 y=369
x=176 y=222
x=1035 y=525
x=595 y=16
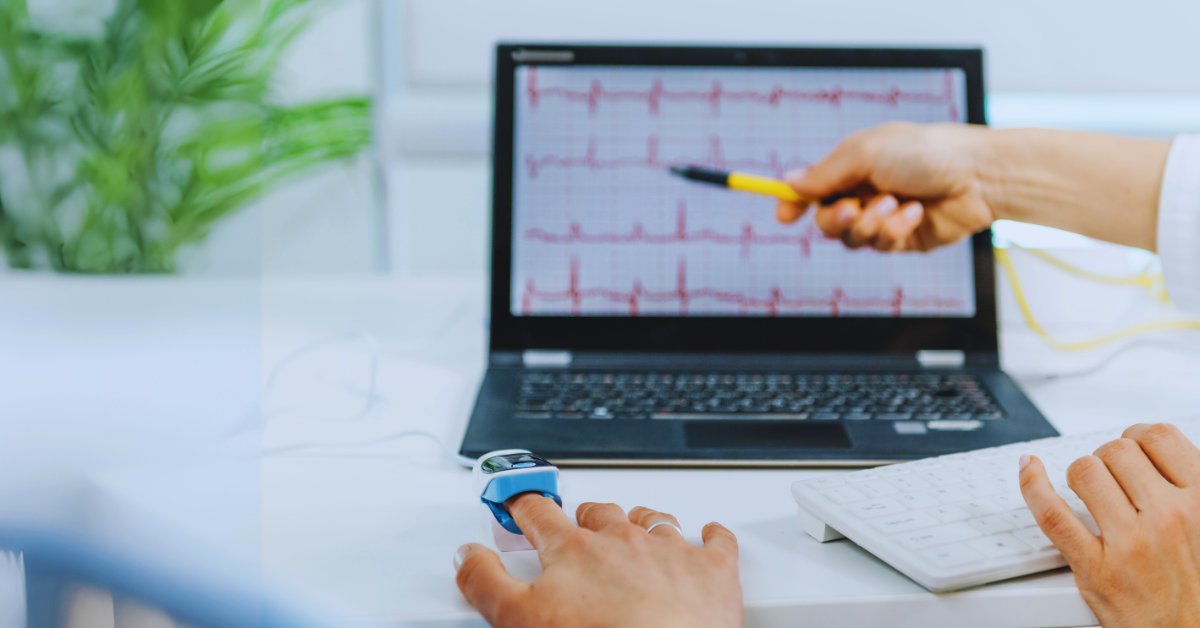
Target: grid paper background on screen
x=600 y=228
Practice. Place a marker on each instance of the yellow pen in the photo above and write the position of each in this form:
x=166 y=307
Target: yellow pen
x=743 y=182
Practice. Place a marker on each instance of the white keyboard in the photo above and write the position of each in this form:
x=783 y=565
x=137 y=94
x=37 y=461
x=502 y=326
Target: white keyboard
x=953 y=521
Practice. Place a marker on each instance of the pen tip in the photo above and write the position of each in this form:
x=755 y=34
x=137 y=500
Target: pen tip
x=679 y=170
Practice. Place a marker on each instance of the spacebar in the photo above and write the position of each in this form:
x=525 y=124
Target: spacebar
x=700 y=416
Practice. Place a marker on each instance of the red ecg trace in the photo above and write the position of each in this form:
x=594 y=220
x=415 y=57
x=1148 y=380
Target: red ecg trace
x=837 y=302
x=594 y=143
x=715 y=158
x=746 y=237
x=717 y=94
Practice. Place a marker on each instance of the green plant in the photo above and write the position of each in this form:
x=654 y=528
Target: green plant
x=119 y=149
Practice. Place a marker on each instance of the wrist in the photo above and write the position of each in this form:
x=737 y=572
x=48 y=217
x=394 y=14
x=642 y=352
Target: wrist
x=988 y=150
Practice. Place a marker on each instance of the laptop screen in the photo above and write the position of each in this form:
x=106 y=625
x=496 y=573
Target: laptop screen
x=601 y=228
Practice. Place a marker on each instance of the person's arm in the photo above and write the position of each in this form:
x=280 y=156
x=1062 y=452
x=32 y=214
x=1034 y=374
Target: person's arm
x=607 y=571
x=925 y=186
x=1143 y=490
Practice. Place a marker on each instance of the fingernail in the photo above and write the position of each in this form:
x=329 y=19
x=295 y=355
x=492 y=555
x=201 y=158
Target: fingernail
x=913 y=212
x=887 y=205
x=846 y=214
x=460 y=555
x=792 y=175
x=1025 y=461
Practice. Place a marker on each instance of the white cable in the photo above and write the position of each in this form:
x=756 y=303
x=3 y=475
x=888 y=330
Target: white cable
x=371 y=397
x=258 y=417
x=366 y=337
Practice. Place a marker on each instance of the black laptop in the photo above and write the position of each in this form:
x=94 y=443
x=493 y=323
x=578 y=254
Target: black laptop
x=640 y=319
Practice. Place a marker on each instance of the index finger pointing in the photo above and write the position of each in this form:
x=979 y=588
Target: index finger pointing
x=540 y=518
x=841 y=170
x=1054 y=516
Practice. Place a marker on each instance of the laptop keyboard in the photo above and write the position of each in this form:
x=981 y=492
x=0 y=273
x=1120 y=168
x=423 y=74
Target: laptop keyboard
x=784 y=396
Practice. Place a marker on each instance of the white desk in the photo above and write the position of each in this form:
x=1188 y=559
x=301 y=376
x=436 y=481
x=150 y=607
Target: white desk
x=343 y=527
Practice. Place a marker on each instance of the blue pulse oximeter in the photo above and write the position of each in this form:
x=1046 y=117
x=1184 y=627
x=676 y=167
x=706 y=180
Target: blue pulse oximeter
x=502 y=475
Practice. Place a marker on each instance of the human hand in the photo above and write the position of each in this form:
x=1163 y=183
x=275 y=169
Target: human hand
x=905 y=187
x=1144 y=492
x=606 y=572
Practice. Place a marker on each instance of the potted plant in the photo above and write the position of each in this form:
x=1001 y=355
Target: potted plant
x=120 y=147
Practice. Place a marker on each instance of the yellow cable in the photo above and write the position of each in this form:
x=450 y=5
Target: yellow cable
x=1153 y=283
x=1082 y=345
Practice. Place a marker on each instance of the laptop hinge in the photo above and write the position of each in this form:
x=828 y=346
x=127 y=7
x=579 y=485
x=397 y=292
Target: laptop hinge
x=941 y=359
x=534 y=358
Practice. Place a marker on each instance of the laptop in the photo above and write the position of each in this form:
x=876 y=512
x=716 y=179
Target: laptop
x=640 y=319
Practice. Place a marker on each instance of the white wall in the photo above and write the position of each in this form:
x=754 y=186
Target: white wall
x=323 y=221
x=1057 y=45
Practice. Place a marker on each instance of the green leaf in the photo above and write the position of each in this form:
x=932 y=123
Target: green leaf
x=138 y=143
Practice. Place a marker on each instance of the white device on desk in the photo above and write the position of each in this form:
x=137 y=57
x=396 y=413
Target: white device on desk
x=952 y=521
x=504 y=474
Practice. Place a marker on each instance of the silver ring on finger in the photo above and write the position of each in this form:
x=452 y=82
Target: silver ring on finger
x=650 y=528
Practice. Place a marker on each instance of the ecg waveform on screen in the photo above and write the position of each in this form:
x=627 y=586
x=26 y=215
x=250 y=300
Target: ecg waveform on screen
x=772 y=163
x=684 y=295
x=600 y=227
x=717 y=94
x=746 y=238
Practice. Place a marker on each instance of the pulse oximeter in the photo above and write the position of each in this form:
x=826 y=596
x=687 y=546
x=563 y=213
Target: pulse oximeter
x=502 y=475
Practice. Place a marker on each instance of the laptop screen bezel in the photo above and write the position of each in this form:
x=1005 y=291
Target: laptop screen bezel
x=748 y=334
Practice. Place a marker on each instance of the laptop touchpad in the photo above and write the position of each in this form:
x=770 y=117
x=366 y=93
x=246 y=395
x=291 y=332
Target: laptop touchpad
x=766 y=435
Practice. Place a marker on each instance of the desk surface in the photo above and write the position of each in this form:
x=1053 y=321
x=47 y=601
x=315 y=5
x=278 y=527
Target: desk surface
x=372 y=531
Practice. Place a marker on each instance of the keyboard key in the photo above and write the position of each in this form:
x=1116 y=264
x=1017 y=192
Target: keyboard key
x=877 y=508
x=1034 y=537
x=992 y=524
x=938 y=477
x=951 y=494
x=947 y=514
x=1021 y=518
x=826 y=481
x=905 y=522
x=917 y=501
x=907 y=481
x=1010 y=501
x=952 y=555
x=844 y=495
x=981 y=507
x=999 y=545
x=940 y=535
x=877 y=488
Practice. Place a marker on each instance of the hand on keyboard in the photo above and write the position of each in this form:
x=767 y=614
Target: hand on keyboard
x=1144 y=492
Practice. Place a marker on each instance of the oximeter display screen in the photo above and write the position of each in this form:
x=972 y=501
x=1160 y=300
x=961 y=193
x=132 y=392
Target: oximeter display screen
x=496 y=464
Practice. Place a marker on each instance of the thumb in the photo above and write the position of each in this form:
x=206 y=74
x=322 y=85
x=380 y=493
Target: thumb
x=488 y=586
x=839 y=172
